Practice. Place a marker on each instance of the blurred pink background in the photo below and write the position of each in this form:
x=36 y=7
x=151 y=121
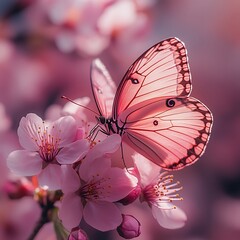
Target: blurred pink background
x=46 y=48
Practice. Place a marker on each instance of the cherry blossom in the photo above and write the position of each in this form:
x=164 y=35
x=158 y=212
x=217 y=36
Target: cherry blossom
x=47 y=146
x=92 y=192
x=159 y=191
x=79 y=23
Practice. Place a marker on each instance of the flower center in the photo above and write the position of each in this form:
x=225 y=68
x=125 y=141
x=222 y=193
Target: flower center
x=96 y=189
x=162 y=191
x=48 y=143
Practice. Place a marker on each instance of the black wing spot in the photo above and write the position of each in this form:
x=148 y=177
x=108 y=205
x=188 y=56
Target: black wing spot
x=134 y=80
x=155 y=122
x=170 y=103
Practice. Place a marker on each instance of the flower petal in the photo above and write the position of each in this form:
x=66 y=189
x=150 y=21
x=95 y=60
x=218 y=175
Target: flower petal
x=96 y=168
x=51 y=176
x=109 y=145
x=121 y=184
x=98 y=157
x=70 y=180
x=28 y=131
x=24 y=163
x=111 y=19
x=65 y=128
x=103 y=216
x=70 y=211
x=147 y=170
x=170 y=217
x=73 y=152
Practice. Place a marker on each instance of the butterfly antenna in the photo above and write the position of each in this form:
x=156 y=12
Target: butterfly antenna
x=72 y=101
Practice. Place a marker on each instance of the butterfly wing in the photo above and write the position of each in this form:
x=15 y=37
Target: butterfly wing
x=162 y=70
x=103 y=88
x=152 y=107
x=172 y=133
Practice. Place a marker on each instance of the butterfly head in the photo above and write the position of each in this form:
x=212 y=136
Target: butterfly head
x=101 y=119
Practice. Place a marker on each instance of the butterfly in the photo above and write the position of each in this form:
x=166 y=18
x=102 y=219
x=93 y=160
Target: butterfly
x=152 y=110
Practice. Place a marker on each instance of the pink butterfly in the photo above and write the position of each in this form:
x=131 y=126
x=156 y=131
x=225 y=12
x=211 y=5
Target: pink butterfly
x=152 y=110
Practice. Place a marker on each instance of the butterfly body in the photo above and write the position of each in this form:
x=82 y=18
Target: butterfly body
x=152 y=110
x=110 y=126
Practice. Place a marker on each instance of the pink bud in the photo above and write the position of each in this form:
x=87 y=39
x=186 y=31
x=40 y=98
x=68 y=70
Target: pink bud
x=18 y=188
x=132 y=196
x=77 y=234
x=129 y=228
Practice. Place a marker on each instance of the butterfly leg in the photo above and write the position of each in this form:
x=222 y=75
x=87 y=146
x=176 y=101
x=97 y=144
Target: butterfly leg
x=95 y=131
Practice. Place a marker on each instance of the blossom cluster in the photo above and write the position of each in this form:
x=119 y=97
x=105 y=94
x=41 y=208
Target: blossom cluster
x=80 y=178
x=73 y=25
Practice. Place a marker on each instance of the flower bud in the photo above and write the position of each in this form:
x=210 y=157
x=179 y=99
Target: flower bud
x=129 y=228
x=132 y=196
x=18 y=188
x=77 y=234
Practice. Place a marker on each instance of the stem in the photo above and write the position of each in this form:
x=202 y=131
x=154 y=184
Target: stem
x=43 y=219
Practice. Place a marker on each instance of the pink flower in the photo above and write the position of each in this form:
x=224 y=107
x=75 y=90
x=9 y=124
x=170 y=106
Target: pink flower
x=76 y=21
x=78 y=24
x=93 y=198
x=47 y=146
x=158 y=190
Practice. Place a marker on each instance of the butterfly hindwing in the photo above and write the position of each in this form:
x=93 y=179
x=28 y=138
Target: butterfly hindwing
x=172 y=133
x=162 y=70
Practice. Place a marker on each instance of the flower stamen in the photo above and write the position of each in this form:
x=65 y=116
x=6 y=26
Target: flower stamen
x=47 y=143
x=163 y=191
x=96 y=189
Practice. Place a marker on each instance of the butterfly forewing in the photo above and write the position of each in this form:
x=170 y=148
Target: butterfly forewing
x=162 y=70
x=170 y=136
x=103 y=88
